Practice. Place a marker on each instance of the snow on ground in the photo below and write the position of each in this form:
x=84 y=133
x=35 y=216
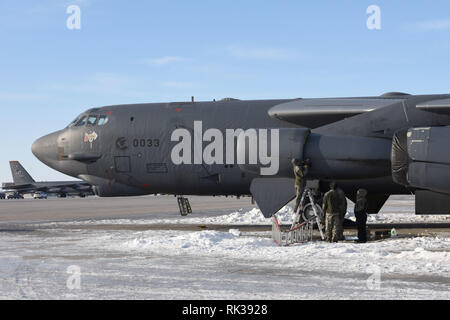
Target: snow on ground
x=240 y=217
x=398 y=210
x=38 y=261
x=414 y=255
x=217 y=265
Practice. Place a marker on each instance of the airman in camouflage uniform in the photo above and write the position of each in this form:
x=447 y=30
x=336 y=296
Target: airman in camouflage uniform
x=330 y=206
x=300 y=173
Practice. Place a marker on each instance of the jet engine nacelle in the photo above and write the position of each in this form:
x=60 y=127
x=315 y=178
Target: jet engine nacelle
x=421 y=158
x=332 y=157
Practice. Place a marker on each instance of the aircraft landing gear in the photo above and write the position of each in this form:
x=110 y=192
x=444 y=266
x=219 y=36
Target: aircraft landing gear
x=184 y=206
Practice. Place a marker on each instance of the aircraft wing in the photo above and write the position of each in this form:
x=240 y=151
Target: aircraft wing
x=78 y=186
x=314 y=113
x=48 y=187
x=12 y=185
x=63 y=186
x=441 y=106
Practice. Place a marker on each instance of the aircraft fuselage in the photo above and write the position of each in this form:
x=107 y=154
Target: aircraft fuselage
x=135 y=149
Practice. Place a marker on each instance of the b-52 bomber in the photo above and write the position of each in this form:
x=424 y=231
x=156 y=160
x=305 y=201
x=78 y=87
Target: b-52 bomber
x=395 y=143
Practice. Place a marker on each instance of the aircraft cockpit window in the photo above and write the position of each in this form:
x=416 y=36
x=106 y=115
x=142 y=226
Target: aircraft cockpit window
x=102 y=120
x=81 y=122
x=73 y=122
x=92 y=120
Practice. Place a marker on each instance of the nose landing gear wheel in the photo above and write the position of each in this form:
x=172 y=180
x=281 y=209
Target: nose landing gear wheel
x=308 y=212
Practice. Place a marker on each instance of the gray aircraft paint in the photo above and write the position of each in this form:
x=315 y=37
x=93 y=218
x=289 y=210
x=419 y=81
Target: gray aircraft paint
x=157 y=121
x=19 y=174
x=131 y=154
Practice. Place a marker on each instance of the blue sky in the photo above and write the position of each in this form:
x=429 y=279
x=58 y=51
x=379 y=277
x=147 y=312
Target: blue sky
x=153 y=51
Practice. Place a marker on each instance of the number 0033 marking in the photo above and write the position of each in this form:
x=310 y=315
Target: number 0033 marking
x=143 y=143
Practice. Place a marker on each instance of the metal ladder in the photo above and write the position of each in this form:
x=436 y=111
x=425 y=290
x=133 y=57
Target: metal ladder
x=184 y=206
x=315 y=218
x=299 y=232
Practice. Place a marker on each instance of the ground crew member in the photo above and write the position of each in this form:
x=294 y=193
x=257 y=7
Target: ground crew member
x=330 y=207
x=342 y=211
x=361 y=208
x=300 y=173
x=318 y=196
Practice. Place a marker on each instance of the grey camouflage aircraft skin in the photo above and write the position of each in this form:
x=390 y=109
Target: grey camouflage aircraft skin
x=392 y=144
x=24 y=183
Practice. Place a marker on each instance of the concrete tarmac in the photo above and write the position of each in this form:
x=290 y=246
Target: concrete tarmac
x=25 y=215
x=95 y=208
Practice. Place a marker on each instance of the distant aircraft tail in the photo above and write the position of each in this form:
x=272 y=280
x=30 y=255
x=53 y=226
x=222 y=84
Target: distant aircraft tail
x=19 y=174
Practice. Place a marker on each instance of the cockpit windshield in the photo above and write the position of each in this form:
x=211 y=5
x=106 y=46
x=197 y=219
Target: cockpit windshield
x=74 y=121
x=102 y=120
x=90 y=120
x=81 y=122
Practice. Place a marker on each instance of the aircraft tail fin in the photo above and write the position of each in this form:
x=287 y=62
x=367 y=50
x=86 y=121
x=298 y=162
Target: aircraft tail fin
x=19 y=174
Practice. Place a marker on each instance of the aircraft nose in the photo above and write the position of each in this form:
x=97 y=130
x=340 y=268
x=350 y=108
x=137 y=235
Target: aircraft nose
x=45 y=148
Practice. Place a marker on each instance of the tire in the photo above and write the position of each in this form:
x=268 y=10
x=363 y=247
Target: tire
x=308 y=212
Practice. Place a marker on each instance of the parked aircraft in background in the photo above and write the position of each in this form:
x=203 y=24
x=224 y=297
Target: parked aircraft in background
x=25 y=184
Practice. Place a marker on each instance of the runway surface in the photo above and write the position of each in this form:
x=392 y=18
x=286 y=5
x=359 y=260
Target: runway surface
x=74 y=209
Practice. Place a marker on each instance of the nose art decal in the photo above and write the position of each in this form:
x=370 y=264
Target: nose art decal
x=90 y=137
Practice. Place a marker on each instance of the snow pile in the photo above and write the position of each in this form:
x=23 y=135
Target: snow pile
x=400 y=217
x=399 y=209
x=254 y=216
x=235 y=232
x=196 y=242
x=404 y=256
x=240 y=217
x=406 y=218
